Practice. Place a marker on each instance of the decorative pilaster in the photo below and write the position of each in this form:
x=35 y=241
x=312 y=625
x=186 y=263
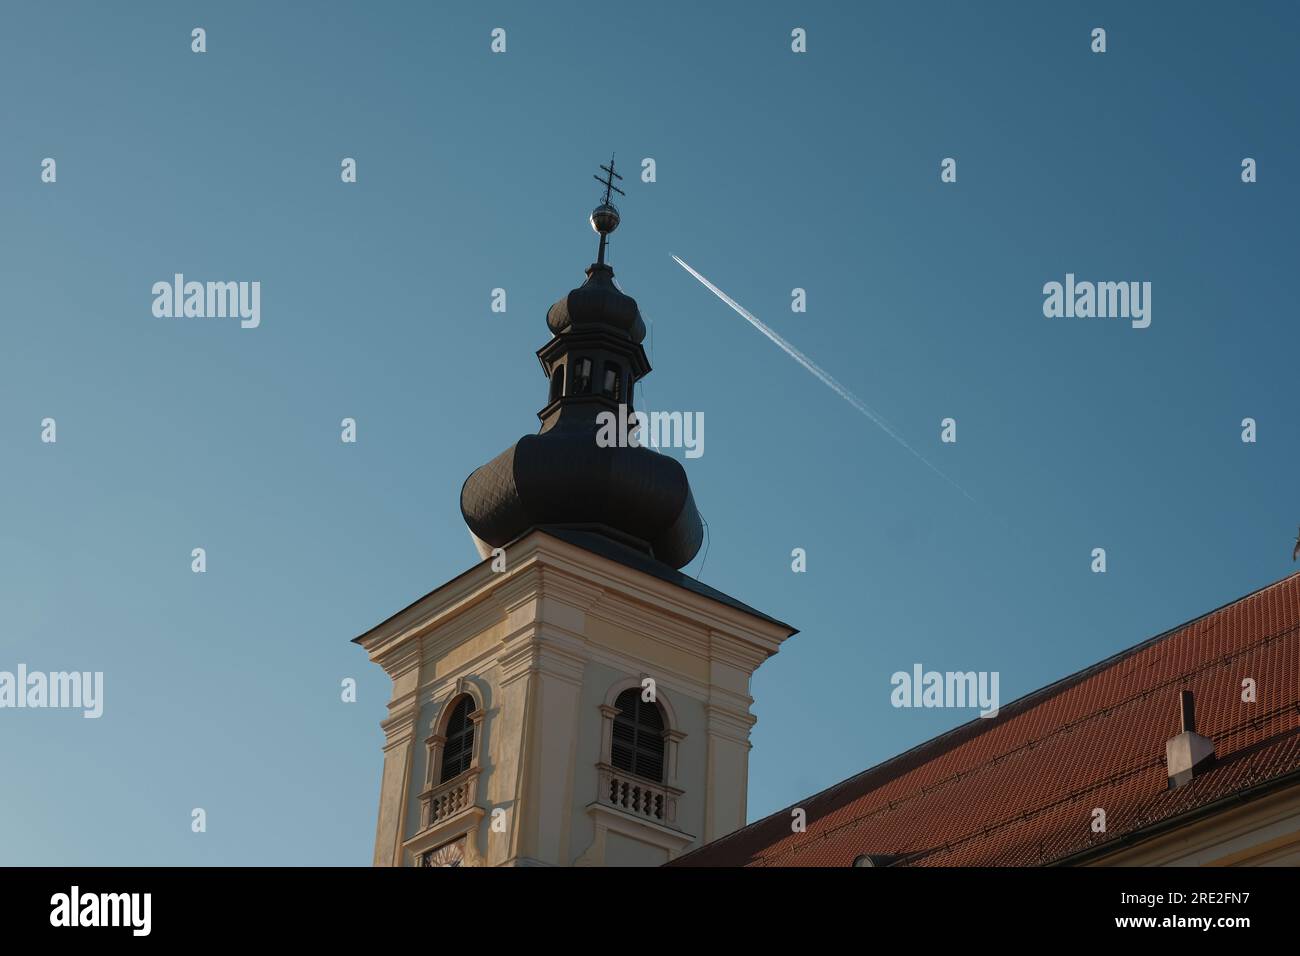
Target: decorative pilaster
x=403 y=666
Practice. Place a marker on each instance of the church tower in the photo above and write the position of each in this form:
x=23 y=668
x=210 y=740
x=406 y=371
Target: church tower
x=573 y=699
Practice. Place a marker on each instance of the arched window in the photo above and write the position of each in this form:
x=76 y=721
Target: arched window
x=638 y=741
x=449 y=804
x=458 y=751
x=557 y=382
x=582 y=377
x=613 y=384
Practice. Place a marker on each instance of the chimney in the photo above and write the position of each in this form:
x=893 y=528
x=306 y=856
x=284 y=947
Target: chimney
x=1187 y=754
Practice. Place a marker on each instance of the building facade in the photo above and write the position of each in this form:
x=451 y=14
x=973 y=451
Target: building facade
x=573 y=699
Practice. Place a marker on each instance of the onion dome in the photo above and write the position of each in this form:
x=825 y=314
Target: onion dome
x=563 y=477
x=597 y=303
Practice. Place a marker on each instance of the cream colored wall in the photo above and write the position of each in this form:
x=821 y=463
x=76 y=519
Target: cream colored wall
x=1262 y=832
x=625 y=851
x=544 y=643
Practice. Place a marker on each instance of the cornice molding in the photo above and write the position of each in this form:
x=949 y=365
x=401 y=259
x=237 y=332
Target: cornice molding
x=660 y=623
x=399 y=660
x=678 y=683
x=547 y=652
x=399 y=728
x=727 y=648
x=576 y=591
x=540 y=565
x=727 y=723
x=656 y=592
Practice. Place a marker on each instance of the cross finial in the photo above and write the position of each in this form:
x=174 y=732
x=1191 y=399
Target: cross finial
x=608 y=181
x=604 y=218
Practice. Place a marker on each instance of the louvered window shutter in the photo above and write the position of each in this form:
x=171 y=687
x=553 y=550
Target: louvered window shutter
x=638 y=743
x=458 y=751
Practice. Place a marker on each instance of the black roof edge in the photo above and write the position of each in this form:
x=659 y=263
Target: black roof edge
x=606 y=548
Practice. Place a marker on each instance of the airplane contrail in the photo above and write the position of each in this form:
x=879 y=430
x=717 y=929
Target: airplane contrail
x=826 y=378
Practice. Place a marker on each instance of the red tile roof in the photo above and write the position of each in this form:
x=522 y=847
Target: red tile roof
x=1019 y=789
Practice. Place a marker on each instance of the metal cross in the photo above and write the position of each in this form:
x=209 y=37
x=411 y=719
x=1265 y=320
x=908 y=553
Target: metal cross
x=608 y=181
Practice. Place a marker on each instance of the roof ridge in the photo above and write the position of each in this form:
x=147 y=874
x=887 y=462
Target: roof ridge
x=1021 y=704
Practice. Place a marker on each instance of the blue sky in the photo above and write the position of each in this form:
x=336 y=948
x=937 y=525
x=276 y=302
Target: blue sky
x=774 y=171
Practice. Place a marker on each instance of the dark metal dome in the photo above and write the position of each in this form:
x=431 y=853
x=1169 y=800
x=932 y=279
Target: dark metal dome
x=562 y=477
x=597 y=303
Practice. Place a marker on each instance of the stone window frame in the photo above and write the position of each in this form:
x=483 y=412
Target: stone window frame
x=673 y=735
x=609 y=818
x=438 y=738
x=465 y=820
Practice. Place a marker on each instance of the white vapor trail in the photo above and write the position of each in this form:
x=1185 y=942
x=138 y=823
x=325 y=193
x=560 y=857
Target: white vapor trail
x=826 y=377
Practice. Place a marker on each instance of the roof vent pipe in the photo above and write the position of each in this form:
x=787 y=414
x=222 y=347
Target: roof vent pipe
x=1188 y=753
